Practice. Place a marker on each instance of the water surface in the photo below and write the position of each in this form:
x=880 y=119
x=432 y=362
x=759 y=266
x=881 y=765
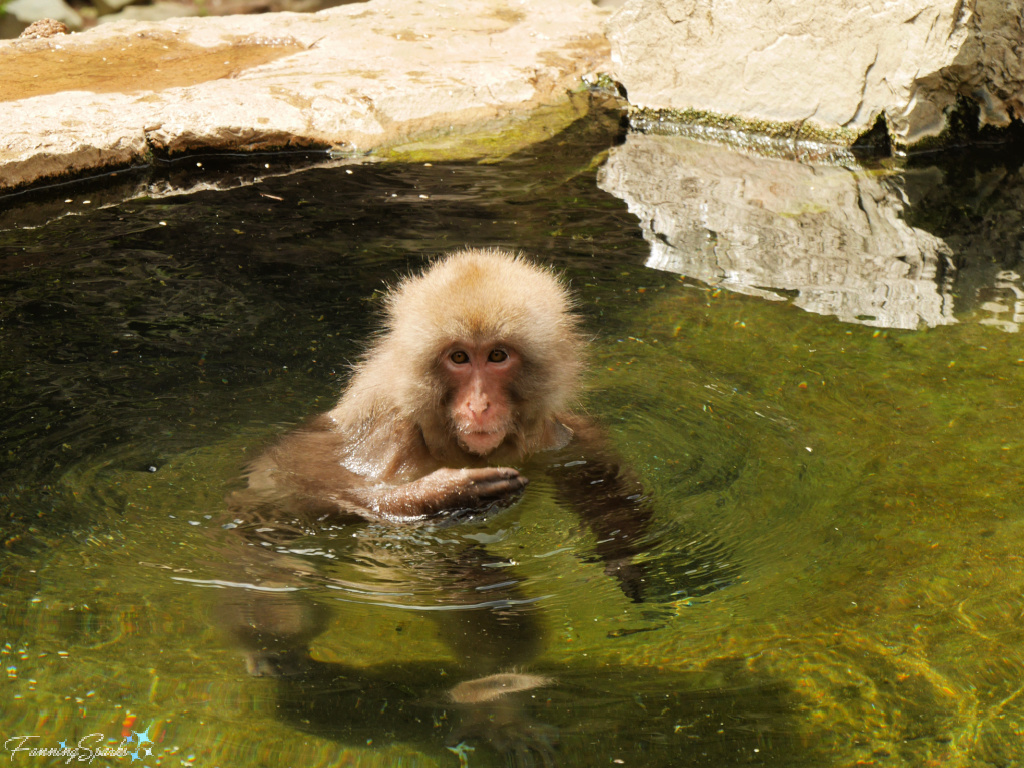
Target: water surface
x=833 y=574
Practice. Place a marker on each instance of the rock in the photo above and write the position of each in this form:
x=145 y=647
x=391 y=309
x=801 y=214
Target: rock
x=25 y=12
x=153 y=12
x=106 y=7
x=833 y=67
x=356 y=78
x=44 y=28
x=833 y=239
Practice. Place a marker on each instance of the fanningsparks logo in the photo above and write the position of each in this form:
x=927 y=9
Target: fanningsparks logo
x=134 y=745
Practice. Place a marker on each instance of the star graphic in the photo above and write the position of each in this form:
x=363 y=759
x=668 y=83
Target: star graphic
x=63 y=745
x=135 y=756
x=143 y=736
x=143 y=739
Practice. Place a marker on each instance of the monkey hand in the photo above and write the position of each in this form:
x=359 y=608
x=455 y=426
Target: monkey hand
x=451 y=492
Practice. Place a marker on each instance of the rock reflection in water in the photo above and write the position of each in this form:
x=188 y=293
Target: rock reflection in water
x=765 y=226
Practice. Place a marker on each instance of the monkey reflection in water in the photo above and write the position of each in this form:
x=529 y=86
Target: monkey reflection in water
x=462 y=397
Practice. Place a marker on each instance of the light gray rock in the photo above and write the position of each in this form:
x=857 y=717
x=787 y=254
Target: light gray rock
x=105 y=7
x=358 y=78
x=834 y=237
x=153 y=12
x=24 y=12
x=834 y=66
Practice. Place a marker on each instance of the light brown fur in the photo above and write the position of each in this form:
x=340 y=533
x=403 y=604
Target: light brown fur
x=390 y=447
x=468 y=384
x=468 y=295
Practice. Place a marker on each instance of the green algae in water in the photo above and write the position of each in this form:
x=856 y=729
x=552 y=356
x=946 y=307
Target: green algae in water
x=856 y=488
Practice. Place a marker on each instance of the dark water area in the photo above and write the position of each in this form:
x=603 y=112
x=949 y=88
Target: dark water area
x=814 y=371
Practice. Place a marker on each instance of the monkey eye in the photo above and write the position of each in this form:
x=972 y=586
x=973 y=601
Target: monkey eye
x=497 y=356
x=459 y=357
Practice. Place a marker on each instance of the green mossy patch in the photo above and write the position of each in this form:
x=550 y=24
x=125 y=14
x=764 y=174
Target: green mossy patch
x=806 y=140
x=802 y=139
x=490 y=142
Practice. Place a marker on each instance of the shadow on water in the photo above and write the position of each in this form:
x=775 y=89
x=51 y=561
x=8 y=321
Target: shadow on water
x=813 y=371
x=289 y=573
x=589 y=716
x=528 y=713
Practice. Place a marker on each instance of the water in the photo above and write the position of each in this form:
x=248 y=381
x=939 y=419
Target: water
x=822 y=402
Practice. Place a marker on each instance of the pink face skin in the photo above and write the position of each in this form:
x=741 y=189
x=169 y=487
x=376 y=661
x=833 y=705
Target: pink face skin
x=480 y=374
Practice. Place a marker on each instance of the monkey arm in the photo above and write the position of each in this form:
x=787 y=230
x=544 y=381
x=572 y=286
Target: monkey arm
x=317 y=470
x=617 y=512
x=442 y=493
x=610 y=501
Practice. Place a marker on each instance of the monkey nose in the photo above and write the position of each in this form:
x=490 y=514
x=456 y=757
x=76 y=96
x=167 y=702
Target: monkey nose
x=478 y=405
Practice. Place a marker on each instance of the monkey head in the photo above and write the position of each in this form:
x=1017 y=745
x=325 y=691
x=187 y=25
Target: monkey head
x=488 y=347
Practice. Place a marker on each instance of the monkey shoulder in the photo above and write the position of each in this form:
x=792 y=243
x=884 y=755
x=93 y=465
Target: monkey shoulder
x=381 y=448
x=558 y=434
x=582 y=432
x=589 y=446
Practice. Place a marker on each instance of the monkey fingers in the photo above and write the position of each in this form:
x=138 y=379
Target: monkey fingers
x=455 y=488
x=494 y=482
x=451 y=492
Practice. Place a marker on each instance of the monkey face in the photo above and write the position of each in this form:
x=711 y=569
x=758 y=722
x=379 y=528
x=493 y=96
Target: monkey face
x=479 y=375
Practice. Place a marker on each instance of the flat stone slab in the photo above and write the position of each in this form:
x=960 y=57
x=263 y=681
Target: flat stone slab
x=356 y=78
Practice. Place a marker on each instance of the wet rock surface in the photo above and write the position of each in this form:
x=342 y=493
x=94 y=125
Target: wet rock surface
x=357 y=78
x=834 y=68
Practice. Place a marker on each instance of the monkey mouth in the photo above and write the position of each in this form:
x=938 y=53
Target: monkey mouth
x=481 y=443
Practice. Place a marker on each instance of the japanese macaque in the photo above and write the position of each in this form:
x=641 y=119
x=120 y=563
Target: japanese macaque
x=473 y=373
x=466 y=390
